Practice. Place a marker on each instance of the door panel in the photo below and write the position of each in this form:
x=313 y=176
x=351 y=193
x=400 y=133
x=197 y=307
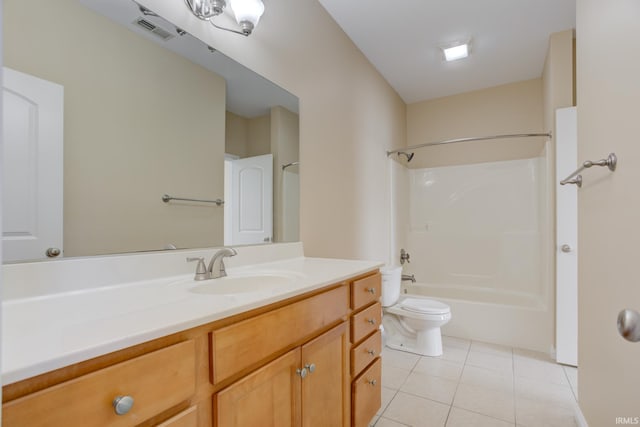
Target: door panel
x=32 y=171
x=251 y=198
x=269 y=397
x=325 y=391
x=566 y=239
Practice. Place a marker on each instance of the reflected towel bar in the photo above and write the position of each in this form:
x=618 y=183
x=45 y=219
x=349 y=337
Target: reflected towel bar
x=167 y=198
x=611 y=162
x=290 y=164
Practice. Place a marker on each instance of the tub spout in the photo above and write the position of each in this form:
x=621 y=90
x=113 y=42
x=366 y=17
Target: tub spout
x=409 y=277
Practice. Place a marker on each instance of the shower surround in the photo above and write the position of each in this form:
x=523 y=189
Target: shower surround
x=477 y=236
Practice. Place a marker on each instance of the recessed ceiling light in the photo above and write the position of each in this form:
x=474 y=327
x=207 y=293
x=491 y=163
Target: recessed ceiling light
x=456 y=52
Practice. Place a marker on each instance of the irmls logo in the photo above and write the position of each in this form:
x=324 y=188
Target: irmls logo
x=627 y=420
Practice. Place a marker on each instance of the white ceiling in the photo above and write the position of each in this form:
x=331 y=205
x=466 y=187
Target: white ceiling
x=402 y=39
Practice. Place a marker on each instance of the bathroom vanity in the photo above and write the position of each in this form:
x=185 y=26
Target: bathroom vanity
x=306 y=354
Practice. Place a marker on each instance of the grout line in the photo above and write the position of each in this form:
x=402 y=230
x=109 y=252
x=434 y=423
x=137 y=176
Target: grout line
x=390 y=400
x=458 y=384
x=487 y=416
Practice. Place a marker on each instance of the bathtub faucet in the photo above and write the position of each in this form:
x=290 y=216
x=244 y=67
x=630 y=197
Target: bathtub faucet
x=404 y=256
x=409 y=277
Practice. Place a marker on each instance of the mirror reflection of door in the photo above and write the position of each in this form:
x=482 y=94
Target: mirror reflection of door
x=248 y=200
x=32 y=169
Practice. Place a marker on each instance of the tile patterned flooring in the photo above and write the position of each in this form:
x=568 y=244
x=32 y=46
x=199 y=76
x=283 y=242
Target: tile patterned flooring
x=475 y=384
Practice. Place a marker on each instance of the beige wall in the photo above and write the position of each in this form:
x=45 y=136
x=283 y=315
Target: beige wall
x=236 y=134
x=248 y=137
x=285 y=147
x=507 y=109
x=558 y=76
x=259 y=136
x=558 y=92
x=608 y=66
x=349 y=116
x=112 y=127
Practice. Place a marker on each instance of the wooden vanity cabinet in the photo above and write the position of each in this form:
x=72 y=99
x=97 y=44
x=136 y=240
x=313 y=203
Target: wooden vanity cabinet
x=308 y=386
x=290 y=363
x=269 y=396
x=186 y=418
x=365 y=362
x=156 y=381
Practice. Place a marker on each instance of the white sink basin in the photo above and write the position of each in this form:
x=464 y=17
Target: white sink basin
x=243 y=284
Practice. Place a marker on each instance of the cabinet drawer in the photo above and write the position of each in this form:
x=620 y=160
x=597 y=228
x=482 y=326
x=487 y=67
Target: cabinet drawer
x=186 y=418
x=243 y=344
x=367 y=397
x=157 y=381
x=365 y=291
x=365 y=322
x=365 y=352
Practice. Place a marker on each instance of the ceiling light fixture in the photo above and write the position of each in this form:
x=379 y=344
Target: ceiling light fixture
x=456 y=52
x=247 y=12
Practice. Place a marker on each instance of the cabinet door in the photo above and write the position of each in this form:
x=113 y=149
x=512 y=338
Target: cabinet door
x=186 y=418
x=325 y=389
x=269 y=397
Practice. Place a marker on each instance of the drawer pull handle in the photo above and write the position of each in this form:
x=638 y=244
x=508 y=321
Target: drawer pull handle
x=372 y=321
x=122 y=404
x=372 y=291
x=372 y=382
x=371 y=352
x=310 y=367
x=302 y=372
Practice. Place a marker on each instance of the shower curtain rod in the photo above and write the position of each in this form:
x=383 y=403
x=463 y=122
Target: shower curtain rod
x=477 y=138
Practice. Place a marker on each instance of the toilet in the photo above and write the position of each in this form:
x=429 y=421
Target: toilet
x=411 y=322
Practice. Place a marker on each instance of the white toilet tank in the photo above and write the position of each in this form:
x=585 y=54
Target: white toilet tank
x=390 y=285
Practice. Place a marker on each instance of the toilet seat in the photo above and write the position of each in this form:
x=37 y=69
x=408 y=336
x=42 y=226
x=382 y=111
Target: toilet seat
x=424 y=306
x=413 y=324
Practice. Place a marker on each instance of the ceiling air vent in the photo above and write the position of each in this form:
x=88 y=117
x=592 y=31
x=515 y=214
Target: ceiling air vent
x=153 y=29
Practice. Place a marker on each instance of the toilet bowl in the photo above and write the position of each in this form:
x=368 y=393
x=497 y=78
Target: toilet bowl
x=411 y=322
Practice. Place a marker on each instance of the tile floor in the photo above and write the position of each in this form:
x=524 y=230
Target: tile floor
x=476 y=384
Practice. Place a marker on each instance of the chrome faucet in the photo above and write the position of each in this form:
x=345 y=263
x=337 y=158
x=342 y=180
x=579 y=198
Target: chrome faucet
x=216 y=267
x=404 y=256
x=411 y=277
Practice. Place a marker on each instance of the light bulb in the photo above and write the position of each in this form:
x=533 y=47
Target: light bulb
x=247 y=11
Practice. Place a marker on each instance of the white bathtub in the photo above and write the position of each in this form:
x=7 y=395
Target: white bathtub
x=512 y=319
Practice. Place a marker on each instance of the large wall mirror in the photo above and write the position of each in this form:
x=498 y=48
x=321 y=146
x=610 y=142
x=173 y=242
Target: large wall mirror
x=142 y=110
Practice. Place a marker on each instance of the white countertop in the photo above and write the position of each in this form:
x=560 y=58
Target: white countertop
x=46 y=332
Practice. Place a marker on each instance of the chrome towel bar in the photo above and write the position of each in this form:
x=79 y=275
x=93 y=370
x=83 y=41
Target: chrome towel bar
x=167 y=198
x=611 y=162
x=290 y=164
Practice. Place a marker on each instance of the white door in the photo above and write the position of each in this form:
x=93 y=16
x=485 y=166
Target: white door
x=608 y=93
x=32 y=175
x=250 y=214
x=566 y=239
